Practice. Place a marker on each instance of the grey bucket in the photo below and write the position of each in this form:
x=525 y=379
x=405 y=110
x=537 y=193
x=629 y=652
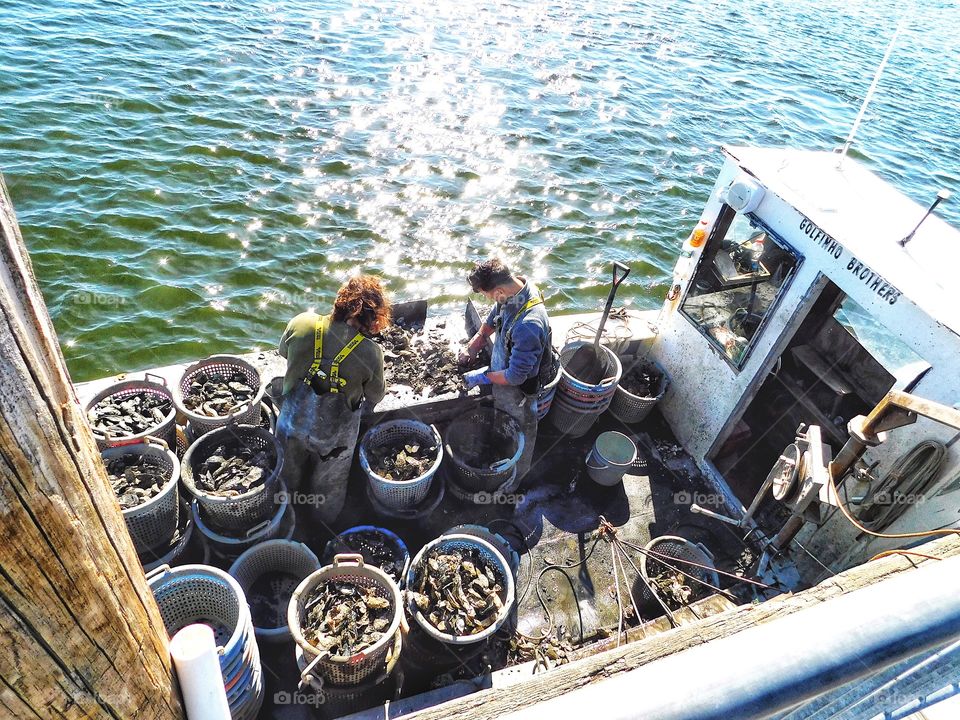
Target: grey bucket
x=613 y=453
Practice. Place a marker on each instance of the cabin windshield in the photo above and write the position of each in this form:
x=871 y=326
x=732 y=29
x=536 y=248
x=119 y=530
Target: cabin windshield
x=742 y=272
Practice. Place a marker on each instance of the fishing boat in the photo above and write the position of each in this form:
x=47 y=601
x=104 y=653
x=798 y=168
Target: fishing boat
x=804 y=442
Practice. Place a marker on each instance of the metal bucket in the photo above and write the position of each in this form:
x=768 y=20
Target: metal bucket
x=612 y=454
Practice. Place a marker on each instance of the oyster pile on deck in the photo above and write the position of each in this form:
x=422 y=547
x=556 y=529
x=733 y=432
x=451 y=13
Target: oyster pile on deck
x=458 y=592
x=344 y=619
x=402 y=461
x=232 y=471
x=421 y=360
x=135 y=479
x=130 y=415
x=218 y=394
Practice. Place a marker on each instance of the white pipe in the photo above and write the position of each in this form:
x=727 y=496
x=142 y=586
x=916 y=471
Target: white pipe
x=194 y=654
x=780 y=664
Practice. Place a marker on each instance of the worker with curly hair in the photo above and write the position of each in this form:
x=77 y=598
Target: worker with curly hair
x=332 y=367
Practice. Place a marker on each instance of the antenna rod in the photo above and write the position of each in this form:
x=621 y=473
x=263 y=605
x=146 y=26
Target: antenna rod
x=870 y=92
x=941 y=196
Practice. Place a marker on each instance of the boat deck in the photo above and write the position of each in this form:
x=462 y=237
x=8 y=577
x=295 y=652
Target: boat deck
x=553 y=520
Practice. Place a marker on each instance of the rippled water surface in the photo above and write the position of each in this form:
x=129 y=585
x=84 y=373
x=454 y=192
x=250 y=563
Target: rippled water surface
x=188 y=175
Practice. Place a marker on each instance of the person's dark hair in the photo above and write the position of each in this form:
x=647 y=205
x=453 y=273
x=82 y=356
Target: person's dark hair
x=489 y=274
x=362 y=297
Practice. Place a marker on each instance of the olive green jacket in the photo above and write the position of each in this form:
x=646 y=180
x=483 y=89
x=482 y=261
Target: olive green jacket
x=362 y=368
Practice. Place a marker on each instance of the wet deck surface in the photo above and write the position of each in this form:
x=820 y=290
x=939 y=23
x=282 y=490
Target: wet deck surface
x=552 y=520
x=555 y=520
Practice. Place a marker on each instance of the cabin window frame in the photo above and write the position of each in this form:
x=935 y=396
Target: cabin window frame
x=725 y=219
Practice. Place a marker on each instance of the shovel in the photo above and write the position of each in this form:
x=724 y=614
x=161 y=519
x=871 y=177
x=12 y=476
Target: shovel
x=587 y=363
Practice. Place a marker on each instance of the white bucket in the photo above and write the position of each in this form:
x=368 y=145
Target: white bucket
x=613 y=453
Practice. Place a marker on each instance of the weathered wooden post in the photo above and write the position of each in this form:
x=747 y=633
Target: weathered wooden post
x=80 y=634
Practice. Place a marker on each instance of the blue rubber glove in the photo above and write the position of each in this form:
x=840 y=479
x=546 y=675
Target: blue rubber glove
x=476 y=377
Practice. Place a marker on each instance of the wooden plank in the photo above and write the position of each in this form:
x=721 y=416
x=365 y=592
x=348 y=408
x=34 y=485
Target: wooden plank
x=492 y=703
x=80 y=633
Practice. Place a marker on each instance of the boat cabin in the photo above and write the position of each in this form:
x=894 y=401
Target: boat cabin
x=806 y=292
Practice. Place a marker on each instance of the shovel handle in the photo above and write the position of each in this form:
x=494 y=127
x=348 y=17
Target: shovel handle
x=617 y=279
x=625 y=269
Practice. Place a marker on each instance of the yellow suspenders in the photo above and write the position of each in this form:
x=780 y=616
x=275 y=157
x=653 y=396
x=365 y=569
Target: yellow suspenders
x=531 y=303
x=336 y=382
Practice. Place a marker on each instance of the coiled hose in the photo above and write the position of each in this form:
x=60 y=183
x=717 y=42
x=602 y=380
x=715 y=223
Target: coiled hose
x=903 y=485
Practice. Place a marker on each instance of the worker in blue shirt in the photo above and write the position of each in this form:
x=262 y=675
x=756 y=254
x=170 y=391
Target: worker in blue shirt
x=520 y=360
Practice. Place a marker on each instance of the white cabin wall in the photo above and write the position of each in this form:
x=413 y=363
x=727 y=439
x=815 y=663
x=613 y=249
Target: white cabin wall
x=707 y=394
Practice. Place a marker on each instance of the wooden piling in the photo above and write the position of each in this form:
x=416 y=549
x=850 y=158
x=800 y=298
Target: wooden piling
x=80 y=633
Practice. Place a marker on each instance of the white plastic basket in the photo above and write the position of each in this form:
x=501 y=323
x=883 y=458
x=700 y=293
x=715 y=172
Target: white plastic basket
x=201 y=594
x=240 y=512
x=151 y=385
x=293 y=561
x=451 y=543
x=335 y=669
x=246 y=414
x=152 y=524
x=396 y=494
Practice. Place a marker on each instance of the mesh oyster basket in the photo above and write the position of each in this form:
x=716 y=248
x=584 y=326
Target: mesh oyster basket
x=246 y=414
x=151 y=385
x=201 y=594
x=492 y=556
x=341 y=544
x=396 y=494
x=470 y=436
x=337 y=669
x=284 y=564
x=174 y=551
x=228 y=547
x=241 y=512
x=339 y=700
x=577 y=404
x=673 y=547
x=152 y=524
x=630 y=408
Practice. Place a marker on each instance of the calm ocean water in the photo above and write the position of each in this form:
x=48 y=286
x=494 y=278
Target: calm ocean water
x=188 y=175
